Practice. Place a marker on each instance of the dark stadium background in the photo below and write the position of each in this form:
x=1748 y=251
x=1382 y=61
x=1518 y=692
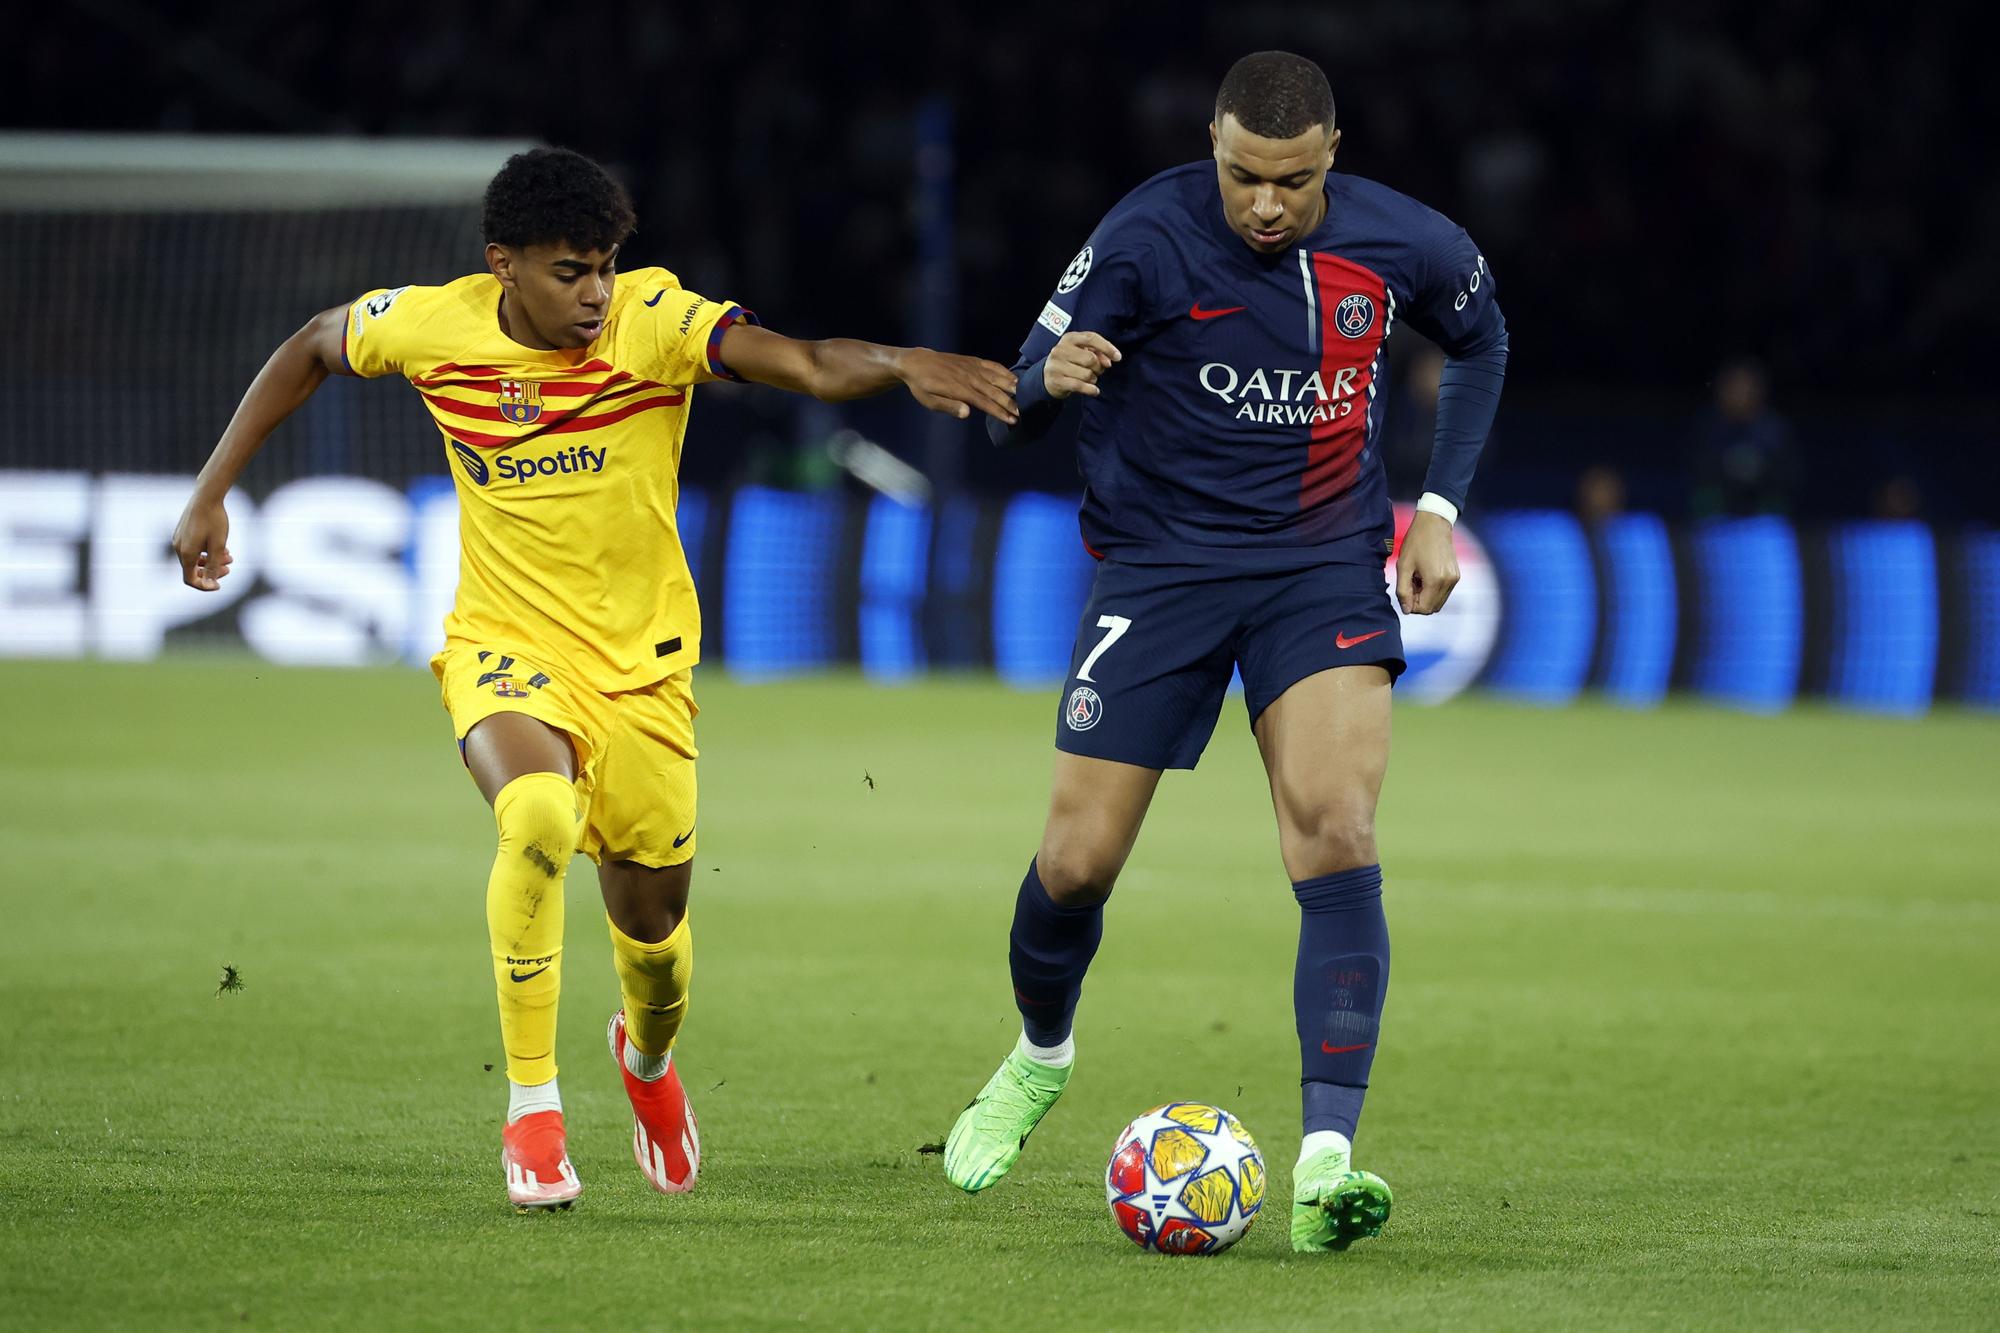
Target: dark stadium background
x=1661 y=187
x=1692 y=881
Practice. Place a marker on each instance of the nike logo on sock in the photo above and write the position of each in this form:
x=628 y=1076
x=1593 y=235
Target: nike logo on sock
x=1342 y=1050
x=519 y=975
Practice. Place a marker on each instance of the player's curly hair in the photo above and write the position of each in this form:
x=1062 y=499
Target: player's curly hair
x=552 y=196
x=1275 y=94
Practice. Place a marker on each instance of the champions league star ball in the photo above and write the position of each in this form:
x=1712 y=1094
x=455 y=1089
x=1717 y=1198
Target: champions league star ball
x=1185 y=1179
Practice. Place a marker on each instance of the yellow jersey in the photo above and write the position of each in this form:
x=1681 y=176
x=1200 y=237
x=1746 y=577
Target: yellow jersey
x=566 y=464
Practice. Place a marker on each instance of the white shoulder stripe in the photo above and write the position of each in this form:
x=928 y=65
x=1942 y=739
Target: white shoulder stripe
x=1312 y=301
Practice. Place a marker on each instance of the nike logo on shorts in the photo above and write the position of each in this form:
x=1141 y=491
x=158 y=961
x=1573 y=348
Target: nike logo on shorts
x=1341 y=641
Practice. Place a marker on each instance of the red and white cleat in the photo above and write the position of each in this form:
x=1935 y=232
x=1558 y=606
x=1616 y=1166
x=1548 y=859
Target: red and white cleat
x=665 y=1142
x=535 y=1154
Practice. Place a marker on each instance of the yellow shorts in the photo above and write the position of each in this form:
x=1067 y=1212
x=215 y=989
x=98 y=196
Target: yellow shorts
x=635 y=749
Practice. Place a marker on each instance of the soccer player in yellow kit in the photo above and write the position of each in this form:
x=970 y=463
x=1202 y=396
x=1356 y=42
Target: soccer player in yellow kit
x=562 y=396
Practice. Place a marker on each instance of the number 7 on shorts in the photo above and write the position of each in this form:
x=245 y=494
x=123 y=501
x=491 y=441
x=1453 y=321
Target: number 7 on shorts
x=1117 y=625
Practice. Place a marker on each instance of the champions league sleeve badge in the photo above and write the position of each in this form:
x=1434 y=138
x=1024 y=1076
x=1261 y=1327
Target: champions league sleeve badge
x=1078 y=270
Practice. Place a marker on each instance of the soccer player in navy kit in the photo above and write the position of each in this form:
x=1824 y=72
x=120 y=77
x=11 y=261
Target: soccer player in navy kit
x=1225 y=346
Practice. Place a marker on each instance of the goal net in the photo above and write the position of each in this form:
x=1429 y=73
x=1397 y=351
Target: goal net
x=144 y=280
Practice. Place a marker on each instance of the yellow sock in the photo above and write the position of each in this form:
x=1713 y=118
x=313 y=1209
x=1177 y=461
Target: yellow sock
x=654 y=981
x=536 y=816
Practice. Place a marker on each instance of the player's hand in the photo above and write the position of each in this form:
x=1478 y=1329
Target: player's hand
x=1426 y=567
x=1076 y=361
x=956 y=385
x=201 y=542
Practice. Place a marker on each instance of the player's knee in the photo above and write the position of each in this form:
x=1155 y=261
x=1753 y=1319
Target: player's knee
x=1076 y=875
x=650 y=920
x=647 y=903
x=536 y=816
x=1331 y=838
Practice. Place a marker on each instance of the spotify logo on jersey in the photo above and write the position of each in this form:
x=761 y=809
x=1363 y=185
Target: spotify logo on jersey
x=469 y=459
x=524 y=470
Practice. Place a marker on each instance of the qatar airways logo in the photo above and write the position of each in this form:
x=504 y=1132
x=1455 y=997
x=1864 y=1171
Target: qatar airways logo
x=1282 y=396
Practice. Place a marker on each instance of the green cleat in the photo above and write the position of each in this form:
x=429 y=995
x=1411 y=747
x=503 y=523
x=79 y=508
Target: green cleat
x=1333 y=1205
x=987 y=1139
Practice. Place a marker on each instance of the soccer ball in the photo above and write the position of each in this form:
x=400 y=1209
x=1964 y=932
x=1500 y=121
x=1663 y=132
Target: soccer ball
x=1185 y=1179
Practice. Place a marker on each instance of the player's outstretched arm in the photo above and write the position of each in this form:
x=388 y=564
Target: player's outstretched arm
x=837 y=369
x=299 y=366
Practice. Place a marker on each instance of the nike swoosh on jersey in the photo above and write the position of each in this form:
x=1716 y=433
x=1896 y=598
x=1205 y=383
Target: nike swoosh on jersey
x=656 y=297
x=1198 y=313
x=684 y=837
x=1341 y=640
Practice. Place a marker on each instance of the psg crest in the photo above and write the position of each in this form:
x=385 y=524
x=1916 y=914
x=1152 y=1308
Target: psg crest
x=1355 y=315
x=1083 y=709
x=521 y=400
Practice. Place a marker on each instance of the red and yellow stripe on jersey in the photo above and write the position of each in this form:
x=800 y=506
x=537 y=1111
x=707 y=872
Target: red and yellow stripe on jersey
x=567 y=465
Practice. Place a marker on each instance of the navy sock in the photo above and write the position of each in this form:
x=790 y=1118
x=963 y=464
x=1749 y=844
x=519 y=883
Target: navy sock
x=1337 y=992
x=1049 y=950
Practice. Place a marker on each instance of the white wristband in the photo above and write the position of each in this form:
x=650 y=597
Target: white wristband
x=1433 y=503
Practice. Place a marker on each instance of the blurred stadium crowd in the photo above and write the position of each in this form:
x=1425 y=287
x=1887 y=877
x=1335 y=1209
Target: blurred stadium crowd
x=1674 y=195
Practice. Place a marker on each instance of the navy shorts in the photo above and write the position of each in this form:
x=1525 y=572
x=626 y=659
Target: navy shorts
x=1157 y=645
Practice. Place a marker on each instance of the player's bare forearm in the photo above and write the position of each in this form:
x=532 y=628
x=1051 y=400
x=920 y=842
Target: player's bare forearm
x=299 y=366
x=292 y=375
x=843 y=369
x=836 y=370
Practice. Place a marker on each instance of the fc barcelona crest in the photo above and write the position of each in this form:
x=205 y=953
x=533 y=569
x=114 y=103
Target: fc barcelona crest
x=520 y=401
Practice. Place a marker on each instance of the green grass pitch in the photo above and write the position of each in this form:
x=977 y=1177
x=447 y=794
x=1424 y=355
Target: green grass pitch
x=1695 y=1022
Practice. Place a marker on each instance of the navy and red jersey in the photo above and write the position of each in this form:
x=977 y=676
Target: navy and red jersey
x=1241 y=426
